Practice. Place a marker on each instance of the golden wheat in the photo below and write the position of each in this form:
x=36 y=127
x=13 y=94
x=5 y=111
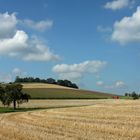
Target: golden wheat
x=103 y=120
x=41 y=85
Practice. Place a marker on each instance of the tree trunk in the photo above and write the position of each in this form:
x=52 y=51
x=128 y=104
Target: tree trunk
x=14 y=104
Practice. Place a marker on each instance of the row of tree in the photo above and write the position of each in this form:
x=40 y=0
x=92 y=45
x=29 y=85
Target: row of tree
x=134 y=95
x=65 y=83
x=12 y=93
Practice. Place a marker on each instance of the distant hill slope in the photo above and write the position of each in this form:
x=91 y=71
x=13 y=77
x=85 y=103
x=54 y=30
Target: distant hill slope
x=50 y=91
x=42 y=85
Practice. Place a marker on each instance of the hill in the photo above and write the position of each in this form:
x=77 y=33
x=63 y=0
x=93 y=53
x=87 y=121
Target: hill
x=50 y=91
x=43 y=85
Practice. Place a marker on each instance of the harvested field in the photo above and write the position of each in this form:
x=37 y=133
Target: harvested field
x=100 y=120
x=60 y=103
x=41 y=85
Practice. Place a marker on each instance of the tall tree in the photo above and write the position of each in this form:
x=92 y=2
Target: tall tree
x=51 y=81
x=15 y=94
x=23 y=98
x=4 y=97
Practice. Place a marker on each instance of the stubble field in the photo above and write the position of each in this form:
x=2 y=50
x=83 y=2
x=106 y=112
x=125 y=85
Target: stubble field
x=90 y=120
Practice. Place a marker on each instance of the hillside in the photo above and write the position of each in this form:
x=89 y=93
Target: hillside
x=42 y=85
x=50 y=91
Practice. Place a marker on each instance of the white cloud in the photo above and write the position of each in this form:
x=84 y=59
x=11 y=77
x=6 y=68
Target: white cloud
x=128 y=29
x=100 y=83
x=38 y=51
x=20 y=44
x=118 y=4
x=14 y=45
x=47 y=56
x=116 y=85
x=70 y=75
x=42 y=53
x=7 y=24
x=18 y=72
x=76 y=71
x=10 y=77
x=120 y=84
x=42 y=25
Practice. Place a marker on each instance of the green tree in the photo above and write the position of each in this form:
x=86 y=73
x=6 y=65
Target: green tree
x=4 y=97
x=1 y=90
x=51 y=81
x=126 y=94
x=134 y=95
x=23 y=98
x=15 y=94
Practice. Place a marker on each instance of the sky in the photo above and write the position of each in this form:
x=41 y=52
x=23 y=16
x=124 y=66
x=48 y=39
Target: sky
x=95 y=44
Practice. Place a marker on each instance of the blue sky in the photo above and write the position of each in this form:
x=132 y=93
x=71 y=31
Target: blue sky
x=92 y=43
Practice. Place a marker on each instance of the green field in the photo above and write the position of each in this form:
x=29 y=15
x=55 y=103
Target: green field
x=10 y=109
x=54 y=93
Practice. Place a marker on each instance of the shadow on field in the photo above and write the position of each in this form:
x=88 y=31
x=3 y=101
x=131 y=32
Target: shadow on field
x=11 y=110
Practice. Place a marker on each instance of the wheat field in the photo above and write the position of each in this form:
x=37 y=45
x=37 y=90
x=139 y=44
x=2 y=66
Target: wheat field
x=100 y=120
x=41 y=85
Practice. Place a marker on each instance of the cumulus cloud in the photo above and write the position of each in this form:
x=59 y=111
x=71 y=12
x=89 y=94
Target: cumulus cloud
x=128 y=29
x=14 y=45
x=42 y=25
x=20 y=44
x=39 y=51
x=7 y=24
x=76 y=71
x=45 y=56
x=118 y=4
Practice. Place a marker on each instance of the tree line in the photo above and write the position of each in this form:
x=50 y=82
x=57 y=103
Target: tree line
x=12 y=93
x=134 y=95
x=65 y=83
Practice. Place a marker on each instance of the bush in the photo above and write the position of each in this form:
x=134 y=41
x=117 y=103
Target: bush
x=134 y=95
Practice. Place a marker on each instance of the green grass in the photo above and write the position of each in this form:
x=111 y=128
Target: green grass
x=49 y=93
x=126 y=97
x=9 y=109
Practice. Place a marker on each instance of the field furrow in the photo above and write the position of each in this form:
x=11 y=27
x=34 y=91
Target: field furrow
x=113 y=120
